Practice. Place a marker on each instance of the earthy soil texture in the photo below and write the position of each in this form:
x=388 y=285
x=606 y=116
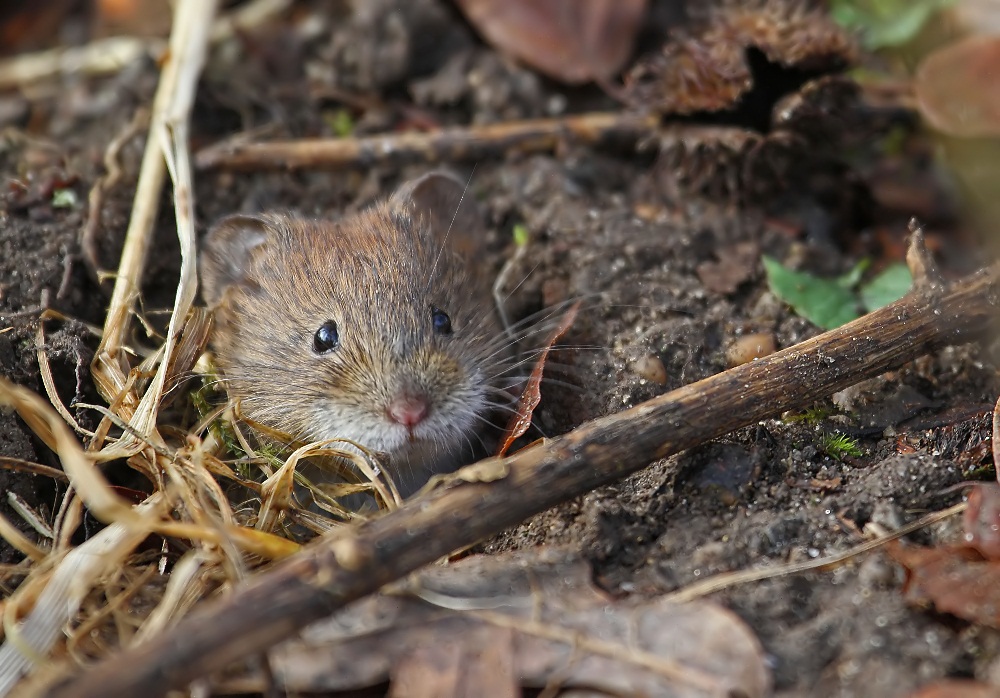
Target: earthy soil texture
x=622 y=228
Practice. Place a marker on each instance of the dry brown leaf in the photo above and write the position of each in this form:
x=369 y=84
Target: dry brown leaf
x=441 y=669
x=955 y=580
x=982 y=520
x=956 y=87
x=736 y=264
x=568 y=40
x=481 y=622
x=532 y=395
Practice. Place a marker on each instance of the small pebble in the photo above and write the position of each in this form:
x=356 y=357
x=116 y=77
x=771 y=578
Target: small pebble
x=749 y=347
x=651 y=368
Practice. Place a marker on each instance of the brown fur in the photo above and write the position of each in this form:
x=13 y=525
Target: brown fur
x=273 y=279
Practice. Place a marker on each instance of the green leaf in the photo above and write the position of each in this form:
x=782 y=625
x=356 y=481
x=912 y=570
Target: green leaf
x=889 y=285
x=341 y=123
x=824 y=302
x=520 y=235
x=885 y=23
x=64 y=198
x=838 y=445
x=851 y=279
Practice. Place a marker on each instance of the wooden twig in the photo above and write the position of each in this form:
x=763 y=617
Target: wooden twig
x=353 y=562
x=96 y=58
x=448 y=144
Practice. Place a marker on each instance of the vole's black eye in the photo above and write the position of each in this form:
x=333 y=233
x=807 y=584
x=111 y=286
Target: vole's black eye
x=442 y=323
x=326 y=338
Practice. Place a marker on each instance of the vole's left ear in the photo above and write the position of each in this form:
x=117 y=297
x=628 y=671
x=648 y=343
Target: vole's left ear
x=443 y=207
x=227 y=251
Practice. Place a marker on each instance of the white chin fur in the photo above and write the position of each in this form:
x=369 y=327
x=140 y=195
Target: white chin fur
x=388 y=437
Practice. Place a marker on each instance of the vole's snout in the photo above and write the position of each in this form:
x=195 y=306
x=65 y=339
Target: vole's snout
x=408 y=410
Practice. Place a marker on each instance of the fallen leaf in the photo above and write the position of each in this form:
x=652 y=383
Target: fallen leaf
x=955 y=579
x=828 y=303
x=888 y=286
x=981 y=520
x=956 y=87
x=532 y=395
x=568 y=40
x=831 y=303
x=735 y=265
x=489 y=625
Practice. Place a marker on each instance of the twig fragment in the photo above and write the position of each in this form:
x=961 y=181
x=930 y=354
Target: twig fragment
x=174 y=97
x=448 y=144
x=926 y=278
x=724 y=580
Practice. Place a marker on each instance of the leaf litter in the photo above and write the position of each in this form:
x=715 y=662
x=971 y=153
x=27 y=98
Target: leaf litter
x=572 y=41
x=533 y=618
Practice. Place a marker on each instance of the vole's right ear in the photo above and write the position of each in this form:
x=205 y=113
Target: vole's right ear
x=226 y=253
x=447 y=209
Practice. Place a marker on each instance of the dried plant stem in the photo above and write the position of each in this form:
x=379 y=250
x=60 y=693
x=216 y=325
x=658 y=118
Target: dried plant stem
x=447 y=144
x=96 y=58
x=724 y=580
x=351 y=563
x=171 y=108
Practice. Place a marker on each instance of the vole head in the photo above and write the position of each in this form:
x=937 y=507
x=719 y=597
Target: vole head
x=374 y=329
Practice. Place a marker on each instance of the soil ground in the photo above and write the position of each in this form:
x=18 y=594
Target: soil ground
x=602 y=227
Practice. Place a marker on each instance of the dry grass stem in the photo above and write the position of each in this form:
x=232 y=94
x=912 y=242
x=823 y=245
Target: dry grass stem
x=56 y=591
x=726 y=580
x=99 y=57
x=45 y=369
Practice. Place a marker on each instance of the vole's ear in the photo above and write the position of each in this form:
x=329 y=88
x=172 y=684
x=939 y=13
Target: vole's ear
x=445 y=208
x=226 y=252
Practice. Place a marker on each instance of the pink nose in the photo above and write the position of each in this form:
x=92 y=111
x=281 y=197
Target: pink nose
x=408 y=410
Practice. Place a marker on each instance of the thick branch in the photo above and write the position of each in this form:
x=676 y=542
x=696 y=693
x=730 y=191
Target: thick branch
x=339 y=569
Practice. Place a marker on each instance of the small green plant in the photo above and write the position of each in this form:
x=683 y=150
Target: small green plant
x=885 y=23
x=219 y=427
x=341 y=123
x=837 y=445
x=831 y=303
x=521 y=235
x=811 y=416
x=64 y=198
